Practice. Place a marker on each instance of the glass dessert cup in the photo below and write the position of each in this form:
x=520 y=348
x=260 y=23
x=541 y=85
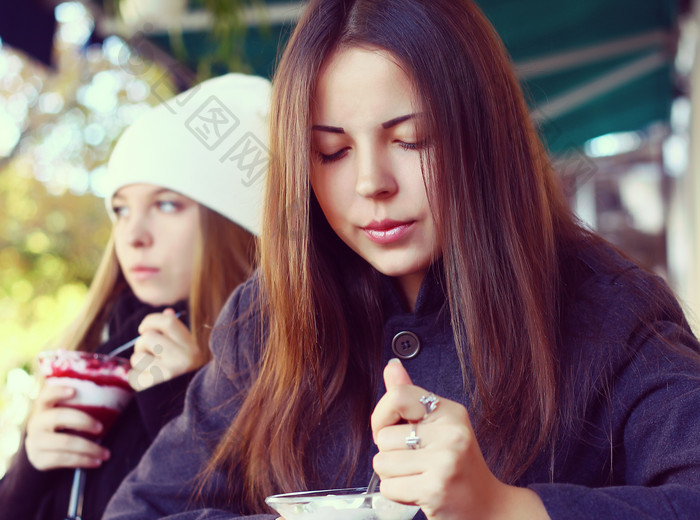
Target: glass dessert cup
x=100 y=382
x=339 y=504
x=101 y=390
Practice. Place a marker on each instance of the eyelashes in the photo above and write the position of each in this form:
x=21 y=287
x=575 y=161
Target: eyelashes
x=419 y=145
x=169 y=206
x=164 y=206
x=119 y=211
x=331 y=158
x=326 y=159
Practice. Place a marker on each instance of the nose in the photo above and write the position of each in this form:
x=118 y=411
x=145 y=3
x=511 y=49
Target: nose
x=139 y=233
x=375 y=175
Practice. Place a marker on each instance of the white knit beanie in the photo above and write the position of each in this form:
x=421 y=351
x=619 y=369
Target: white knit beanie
x=209 y=143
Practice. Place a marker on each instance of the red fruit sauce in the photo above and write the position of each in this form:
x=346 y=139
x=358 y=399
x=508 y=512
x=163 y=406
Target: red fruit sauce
x=107 y=416
x=100 y=379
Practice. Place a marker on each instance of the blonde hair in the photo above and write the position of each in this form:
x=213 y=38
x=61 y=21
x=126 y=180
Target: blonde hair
x=224 y=257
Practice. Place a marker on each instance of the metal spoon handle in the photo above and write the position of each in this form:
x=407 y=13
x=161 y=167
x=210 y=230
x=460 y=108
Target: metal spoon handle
x=373 y=483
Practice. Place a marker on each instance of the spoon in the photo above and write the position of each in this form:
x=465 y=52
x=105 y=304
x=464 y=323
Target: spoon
x=123 y=347
x=371 y=488
x=373 y=483
x=130 y=343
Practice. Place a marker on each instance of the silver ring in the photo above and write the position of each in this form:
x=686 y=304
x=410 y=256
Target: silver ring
x=430 y=402
x=413 y=441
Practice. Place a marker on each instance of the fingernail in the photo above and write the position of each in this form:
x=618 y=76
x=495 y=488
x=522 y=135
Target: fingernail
x=106 y=454
x=97 y=427
x=394 y=361
x=68 y=391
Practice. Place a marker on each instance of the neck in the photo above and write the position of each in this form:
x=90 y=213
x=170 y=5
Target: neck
x=410 y=286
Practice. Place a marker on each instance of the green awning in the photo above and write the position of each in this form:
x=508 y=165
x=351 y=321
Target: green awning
x=591 y=67
x=588 y=68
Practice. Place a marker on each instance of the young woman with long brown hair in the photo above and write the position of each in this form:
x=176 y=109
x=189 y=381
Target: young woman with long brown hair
x=178 y=248
x=411 y=212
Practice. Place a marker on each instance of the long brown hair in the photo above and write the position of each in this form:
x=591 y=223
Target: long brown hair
x=500 y=216
x=224 y=258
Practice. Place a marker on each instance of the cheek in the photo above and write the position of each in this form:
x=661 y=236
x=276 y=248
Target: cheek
x=320 y=188
x=119 y=245
x=334 y=192
x=184 y=242
x=411 y=169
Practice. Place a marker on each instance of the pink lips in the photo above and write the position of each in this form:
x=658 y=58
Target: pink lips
x=387 y=231
x=141 y=272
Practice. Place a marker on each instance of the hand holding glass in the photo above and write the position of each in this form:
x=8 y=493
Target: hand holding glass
x=101 y=390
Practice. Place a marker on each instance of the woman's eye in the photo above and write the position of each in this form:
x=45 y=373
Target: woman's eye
x=412 y=146
x=169 y=206
x=120 y=211
x=326 y=158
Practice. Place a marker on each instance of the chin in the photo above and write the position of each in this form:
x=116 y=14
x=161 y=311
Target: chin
x=154 y=298
x=396 y=270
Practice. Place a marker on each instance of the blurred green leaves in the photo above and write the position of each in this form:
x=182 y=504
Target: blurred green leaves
x=57 y=129
x=49 y=247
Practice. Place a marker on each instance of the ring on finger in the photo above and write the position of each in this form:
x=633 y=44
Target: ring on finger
x=430 y=402
x=412 y=440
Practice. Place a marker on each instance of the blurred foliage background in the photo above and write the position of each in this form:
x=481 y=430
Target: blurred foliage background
x=60 y=116
x=57 y=129
x=49 y=248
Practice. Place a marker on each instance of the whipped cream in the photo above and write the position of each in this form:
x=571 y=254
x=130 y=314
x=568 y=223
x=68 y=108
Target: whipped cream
x=88 y=393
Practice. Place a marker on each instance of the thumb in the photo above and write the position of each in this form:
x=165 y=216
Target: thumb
x=395 y=374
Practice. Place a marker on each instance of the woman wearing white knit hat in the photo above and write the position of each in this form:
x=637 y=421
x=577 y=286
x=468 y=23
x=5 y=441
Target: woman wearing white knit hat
x=184 y=188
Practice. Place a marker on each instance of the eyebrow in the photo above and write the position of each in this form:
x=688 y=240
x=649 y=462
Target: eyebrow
x=386 y=125
x=397 y=121
x=331 y=129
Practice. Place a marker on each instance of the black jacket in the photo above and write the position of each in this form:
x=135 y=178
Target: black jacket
x=26 y=493
x=627 y=358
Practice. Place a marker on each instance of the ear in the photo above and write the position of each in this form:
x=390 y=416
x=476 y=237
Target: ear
x=395 y=374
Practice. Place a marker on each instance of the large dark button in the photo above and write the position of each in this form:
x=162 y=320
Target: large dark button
x=405 y=345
